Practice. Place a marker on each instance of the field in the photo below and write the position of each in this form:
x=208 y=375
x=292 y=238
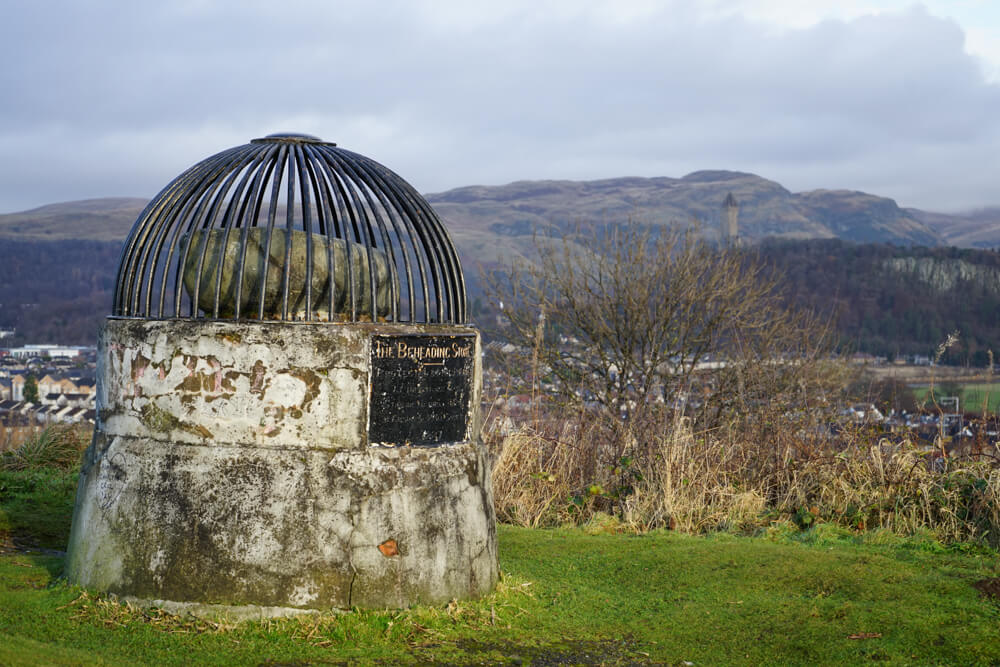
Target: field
x=973 y=397
x=584 y=595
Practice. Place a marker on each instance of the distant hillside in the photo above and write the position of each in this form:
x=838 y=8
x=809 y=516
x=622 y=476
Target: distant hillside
x=57 y=262
x=108 y=219
x=484 y=219
x=976 y=229
x=891 y=300
x=56 y=291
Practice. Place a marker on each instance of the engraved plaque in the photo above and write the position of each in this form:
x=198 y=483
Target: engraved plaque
x=420 y=389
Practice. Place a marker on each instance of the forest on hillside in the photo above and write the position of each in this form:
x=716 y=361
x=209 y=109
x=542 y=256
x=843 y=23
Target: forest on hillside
x=56 y=291
x=883 y=299
x=896 y=301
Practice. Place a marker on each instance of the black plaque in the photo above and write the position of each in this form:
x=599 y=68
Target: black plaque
x=420 y=389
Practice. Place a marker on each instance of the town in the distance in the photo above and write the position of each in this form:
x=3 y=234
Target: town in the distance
x=45 y=384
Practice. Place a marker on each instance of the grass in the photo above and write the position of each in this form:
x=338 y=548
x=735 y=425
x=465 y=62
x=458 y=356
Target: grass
x=668 y=476
x=568 y=596
x=581 y=595
x=38 y=486
x=822 y=596
x=972 y=397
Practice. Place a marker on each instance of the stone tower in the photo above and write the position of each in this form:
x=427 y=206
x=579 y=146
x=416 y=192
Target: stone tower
x=730 y=232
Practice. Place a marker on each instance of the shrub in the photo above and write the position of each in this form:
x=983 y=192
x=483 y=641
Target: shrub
x=665 y=475
x=57 y=446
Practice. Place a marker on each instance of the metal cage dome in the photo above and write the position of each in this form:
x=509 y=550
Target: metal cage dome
x=290 y=228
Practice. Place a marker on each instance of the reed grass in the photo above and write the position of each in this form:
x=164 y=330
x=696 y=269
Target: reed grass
x=666 y=475
x=55 y=446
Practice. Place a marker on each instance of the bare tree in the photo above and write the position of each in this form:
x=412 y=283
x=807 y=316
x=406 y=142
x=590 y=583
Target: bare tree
x=629 y=314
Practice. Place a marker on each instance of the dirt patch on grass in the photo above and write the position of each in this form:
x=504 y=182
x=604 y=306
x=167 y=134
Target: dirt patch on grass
x=989 y=588
x=567 y=652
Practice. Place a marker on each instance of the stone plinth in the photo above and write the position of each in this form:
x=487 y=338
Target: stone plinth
x=231 y=465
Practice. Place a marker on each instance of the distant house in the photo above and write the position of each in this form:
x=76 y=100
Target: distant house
x=6 y=389
x=51 y=398
x=17 y=387
x=45 y=412
x=74 y=415
x=865 y=412
x=56 y=383
x=77 y=400
x=47 y=351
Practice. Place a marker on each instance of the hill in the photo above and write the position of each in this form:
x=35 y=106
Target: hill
x=108 y=219
x=486 y=218
x=56 y=291
x=976 y=229
x=57 y=262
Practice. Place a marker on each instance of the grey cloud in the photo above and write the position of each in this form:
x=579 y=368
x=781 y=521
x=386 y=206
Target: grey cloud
x=116 y=98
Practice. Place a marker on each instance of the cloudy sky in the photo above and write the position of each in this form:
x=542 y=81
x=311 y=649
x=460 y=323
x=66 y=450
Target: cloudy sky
x=115 y=98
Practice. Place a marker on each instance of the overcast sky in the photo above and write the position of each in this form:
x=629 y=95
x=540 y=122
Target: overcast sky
x=115 y=98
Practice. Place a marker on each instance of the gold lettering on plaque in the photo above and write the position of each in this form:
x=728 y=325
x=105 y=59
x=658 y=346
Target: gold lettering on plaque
x=425 y=355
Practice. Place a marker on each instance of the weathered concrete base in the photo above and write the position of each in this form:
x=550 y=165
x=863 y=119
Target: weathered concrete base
x=226 y=475
x=222 y=612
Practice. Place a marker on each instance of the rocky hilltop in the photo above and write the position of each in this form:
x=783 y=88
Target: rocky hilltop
x=766 y=209
x=945 y=274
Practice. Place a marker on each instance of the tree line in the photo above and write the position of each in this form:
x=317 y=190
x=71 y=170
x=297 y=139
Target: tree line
x=886 y=311
x=56 y=291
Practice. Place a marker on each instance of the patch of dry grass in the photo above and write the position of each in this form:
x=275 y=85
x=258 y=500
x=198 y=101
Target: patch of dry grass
x=54 y=446
x=665 y=475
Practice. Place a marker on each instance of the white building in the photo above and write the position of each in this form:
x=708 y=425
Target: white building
x=51 y=351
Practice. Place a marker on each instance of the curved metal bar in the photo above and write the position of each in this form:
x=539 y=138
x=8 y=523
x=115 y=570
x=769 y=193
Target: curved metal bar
x=304 y=201
x=167 y=220
x=225 y=191
x=366 y=188
x=286 y=273
x=368 y=243
x=400 y=204
x=248 y=216
x=443 y=245
x=166 y=223
x=185 y=220
x=425 y=254
x=347 y=197
x=324 y=210
x=404 y=239
x=236 y=202
x=278 y=173
x=125 y=279
x=204 y=216
x=407 y=241
x=154 y=217
x=458 y=296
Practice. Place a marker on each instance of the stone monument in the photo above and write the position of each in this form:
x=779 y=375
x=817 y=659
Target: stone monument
x=288 y=397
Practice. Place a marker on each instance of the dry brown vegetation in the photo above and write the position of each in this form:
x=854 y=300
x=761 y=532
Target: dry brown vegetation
x=53 y=446
x=665 y=475
x=12 y=437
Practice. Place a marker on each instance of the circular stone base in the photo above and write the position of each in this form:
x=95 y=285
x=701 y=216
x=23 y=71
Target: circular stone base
x=223 y=612
x=231 y=469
